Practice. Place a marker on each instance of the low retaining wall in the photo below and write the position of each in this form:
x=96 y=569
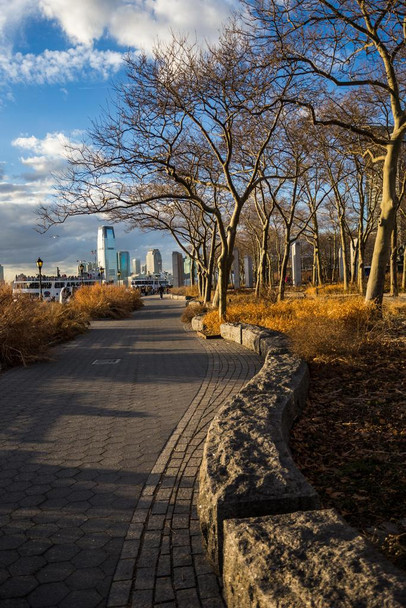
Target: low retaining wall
x=300 y=560
x=247 y=472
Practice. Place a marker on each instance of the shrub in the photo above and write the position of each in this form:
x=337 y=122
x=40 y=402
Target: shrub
x=106 y=301
x=188 y=290
x=327 y=329
x=192 y=311
x=28 y=327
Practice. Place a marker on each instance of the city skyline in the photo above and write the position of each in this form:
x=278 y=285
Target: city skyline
x=58 y=64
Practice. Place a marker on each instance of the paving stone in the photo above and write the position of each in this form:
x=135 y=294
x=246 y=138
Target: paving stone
x=163 y=590
x=99 y=456
x=55 y=572
x=82 y=599
x=18 y=586
x=61 y=552
x=27 y=565
x=142 y=598
x=184 y=577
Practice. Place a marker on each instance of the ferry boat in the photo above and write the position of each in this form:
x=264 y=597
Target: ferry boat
x=51 y=285
x=148 y=284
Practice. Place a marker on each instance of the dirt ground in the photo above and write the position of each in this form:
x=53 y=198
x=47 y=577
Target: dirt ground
x=351 y=441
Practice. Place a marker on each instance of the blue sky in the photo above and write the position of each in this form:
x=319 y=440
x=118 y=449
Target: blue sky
x=58 y=62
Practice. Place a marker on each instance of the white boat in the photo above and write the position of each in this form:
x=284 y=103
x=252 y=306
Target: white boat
x=51 y=286
x=148 y=284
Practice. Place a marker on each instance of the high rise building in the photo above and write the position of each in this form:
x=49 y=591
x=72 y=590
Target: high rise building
x=123 y=263
x=136 y=266
x=154 y=262
x=177 y=269
x=1 y=274
x=106 y=252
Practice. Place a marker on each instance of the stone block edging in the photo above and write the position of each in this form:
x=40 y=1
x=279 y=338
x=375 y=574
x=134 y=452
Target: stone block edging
x=261 y=521
x=308 y=559
x=184 y=298
x=247 y=469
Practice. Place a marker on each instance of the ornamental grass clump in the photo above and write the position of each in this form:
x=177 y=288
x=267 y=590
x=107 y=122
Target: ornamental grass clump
x=29 y=327
x=107 y=301
x=320 y=329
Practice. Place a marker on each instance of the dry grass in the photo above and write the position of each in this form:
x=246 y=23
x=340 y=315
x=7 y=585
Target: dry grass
x=107 y=301
x=321 y=329
x=188 y=290
x=28 y=327
x=350 y=440
x=334 y=289
x=192 y=311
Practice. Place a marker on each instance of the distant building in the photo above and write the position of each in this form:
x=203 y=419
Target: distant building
x=177 y=269
x=135 y=266
x=106 y=252
x=123 y=263
x=1 y=274
x=154 y=262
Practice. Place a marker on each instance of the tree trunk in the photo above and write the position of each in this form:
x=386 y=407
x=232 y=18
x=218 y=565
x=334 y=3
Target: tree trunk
x=394 y=291
x=261 y=272
x=284 y=266
x=380 y=257
x=361 y=255
x=344 y=253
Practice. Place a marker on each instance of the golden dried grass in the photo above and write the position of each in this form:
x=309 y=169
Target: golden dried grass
x=326 y=329
x=107 y=301
x=187 y=290
x=28 y=327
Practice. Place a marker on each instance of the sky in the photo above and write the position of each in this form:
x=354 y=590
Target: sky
x=59 y=60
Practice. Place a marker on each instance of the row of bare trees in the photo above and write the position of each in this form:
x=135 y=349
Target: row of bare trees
x=292 y=125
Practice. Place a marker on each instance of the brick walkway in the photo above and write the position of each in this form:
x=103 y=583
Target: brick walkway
x=100 y=450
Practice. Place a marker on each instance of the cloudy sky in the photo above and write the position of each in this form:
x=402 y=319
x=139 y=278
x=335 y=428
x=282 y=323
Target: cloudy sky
x=58 y=62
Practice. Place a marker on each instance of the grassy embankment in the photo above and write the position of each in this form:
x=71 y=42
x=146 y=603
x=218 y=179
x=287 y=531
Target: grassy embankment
x=351 y=441
x=28 y=328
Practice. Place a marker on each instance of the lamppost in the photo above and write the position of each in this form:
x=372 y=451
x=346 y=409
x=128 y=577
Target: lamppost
x=101 y=274
x=39 y=265
x=81 y=269
x=118 y=276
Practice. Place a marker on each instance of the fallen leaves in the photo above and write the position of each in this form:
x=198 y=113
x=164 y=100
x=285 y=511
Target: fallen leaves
x=351 y=441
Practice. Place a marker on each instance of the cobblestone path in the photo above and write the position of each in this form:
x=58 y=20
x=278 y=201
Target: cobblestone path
x=100 y=449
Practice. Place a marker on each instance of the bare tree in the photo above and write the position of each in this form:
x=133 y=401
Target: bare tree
x=346 y=52
x=190 y=126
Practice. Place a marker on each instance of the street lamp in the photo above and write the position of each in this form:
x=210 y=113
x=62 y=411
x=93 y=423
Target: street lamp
x=101 y=274
x=81 y=269
x=118 y=276
x=39 y=265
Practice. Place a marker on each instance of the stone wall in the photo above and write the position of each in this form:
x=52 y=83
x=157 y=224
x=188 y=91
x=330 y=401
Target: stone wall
x=248 y=485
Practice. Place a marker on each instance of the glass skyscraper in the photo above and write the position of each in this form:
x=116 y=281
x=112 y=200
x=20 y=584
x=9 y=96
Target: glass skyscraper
x=123 y=262
x=106 y=252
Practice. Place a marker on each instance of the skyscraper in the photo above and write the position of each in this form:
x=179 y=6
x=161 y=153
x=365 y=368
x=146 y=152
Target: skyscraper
x=106 y=252
x=123 y=263
x=154 y=261
x=136 y=266
x=1 y=274
x=177 y=269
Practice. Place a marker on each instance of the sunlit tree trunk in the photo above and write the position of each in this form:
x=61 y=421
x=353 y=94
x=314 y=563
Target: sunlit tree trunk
x=394 y=291
x=386 y=224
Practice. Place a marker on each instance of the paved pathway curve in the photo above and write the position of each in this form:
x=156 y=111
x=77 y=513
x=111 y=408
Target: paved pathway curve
x=99 y=452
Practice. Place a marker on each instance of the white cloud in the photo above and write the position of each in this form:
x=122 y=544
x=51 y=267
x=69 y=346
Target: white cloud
x=52 y=67
x=48 y=154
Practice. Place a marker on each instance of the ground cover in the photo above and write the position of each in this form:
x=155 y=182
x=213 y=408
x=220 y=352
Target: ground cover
x=351 y=440
x=29 y=327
